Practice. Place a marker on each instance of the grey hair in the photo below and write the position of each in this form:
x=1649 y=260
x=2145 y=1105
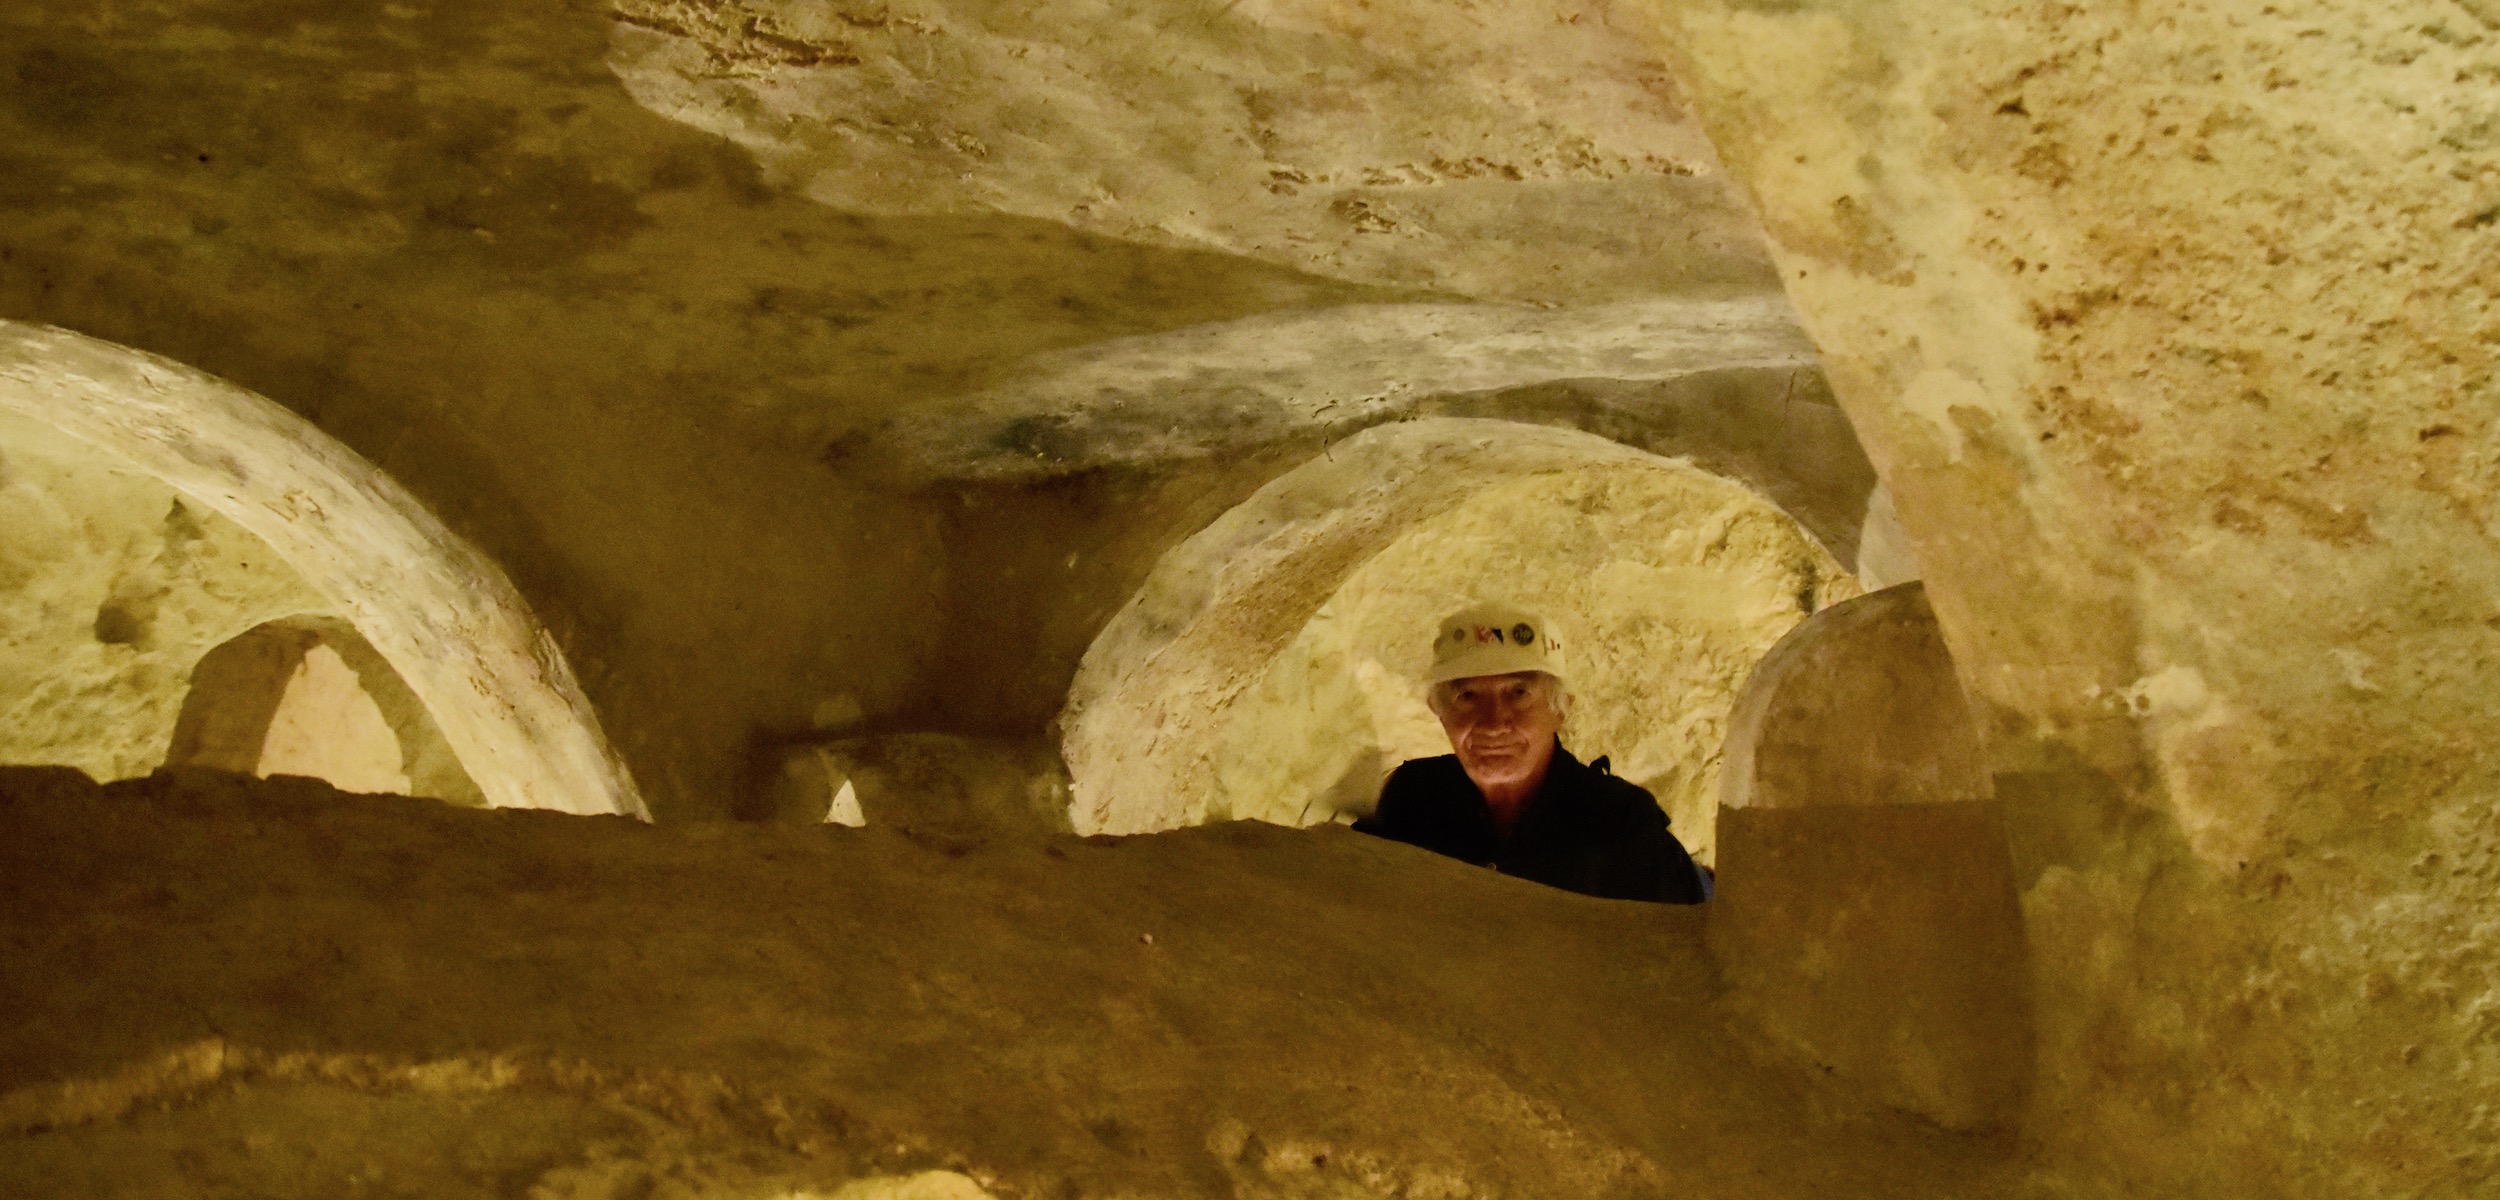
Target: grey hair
x=1557 y=694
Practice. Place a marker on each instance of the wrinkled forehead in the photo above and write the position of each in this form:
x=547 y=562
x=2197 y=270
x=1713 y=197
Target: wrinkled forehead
x=1496 y=682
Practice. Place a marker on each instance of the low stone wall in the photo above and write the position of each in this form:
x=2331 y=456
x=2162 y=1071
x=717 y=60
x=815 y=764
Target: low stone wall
x=207 y=980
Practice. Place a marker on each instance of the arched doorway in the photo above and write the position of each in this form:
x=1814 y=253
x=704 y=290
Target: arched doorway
x=430 y=604
x=1261 y=673
x=1868 y=915
x=309 y=696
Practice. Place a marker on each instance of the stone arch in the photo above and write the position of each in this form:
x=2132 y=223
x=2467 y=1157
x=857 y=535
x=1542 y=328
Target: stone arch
x=239 y=690
x=433 y=606
x=1859 y=705
x=1867 y=909
x=1220 y=606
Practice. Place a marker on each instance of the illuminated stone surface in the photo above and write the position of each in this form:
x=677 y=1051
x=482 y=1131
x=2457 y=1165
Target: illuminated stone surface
x=2173 y=338
x=117 y=585
x=824 y=371
x=1668 y=582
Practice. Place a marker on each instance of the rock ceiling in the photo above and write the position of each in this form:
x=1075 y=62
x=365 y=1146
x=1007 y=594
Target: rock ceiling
x=676 y=308
x=1529 y=152
x=1544 y=198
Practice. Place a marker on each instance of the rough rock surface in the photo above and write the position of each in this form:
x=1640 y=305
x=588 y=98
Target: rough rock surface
x=276 y=989
x=444 y=616
x=112 y=585
x=2172 y=332
x=590 y=338
x=2170 y=329
x=820 y=389
x=1224 y=387
x=1144 y=719
x=1669 y=584
x=1371 y=142
x=1857 y=705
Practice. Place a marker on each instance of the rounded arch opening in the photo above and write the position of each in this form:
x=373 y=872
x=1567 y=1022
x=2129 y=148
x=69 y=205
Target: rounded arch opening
x=1869 y=916
x=1270 y=666
x=1860 y=706
x=449 y=626
x=308 y=695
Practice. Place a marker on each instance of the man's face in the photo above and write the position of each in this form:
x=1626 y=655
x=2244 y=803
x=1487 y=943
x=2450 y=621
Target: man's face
x=1502 y=726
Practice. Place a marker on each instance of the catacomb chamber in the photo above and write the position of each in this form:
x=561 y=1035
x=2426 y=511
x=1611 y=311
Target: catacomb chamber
x=822 y=382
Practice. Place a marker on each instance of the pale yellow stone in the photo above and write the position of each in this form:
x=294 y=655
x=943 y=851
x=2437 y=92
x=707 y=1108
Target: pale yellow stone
x=1387 y=143
x=111 y=586
x=2211 y=533
x=1669 y=584
x=327 y=727
x=437 y=609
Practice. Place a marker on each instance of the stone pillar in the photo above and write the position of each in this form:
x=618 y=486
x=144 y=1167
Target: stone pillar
x=1866 y=913
x=2171 y=330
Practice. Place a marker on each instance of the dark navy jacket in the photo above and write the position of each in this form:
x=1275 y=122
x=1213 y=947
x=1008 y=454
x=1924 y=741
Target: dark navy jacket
x=1583 y=831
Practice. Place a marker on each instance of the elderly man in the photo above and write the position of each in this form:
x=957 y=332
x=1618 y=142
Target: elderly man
x=1511 y=797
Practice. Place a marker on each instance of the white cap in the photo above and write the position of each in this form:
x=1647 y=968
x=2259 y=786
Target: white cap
x=1495 y=639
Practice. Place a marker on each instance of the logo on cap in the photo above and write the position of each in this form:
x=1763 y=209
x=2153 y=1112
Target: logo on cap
x=1522 y=634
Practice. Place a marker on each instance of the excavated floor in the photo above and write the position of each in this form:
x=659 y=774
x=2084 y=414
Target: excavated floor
x=220 y=986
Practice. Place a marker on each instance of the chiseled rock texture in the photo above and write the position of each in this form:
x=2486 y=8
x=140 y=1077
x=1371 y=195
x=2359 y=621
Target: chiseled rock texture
x=822 y=372
x=797 y=359
x=2172 y=332
x=1530 y=150
x=112 y=586
x=442 y=615
x=279 y=990
x=1866 y=907
x=1151 y=724
x=1667 y=584
x=1857 y=706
